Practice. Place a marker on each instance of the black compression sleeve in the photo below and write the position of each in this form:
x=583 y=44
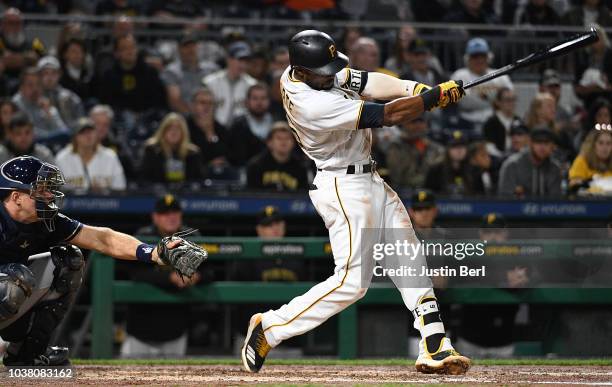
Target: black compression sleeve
x=372 y=115
x=431 y=98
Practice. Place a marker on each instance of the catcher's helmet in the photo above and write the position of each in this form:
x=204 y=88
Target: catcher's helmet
x=42 y=180
x=316 y=52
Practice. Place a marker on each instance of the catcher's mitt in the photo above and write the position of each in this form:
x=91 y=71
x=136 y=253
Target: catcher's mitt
x=185 y=257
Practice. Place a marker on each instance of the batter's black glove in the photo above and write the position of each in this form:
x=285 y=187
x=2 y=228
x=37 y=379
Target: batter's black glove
x=185 y=258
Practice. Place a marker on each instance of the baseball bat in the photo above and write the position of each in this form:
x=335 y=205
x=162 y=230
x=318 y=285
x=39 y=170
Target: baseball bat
x=552 y=51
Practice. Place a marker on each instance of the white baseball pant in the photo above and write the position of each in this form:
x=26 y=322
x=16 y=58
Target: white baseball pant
x=347 y=203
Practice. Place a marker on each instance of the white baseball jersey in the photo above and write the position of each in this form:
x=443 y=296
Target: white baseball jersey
x=324 y=122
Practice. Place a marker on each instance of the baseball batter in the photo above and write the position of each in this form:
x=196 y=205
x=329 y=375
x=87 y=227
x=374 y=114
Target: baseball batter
x=331 y=122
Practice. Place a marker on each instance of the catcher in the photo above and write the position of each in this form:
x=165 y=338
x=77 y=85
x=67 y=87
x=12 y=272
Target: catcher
x=35 y=293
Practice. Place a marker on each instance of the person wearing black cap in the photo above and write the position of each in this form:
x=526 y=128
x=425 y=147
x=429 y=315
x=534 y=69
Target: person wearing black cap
x=87 y=165
x=421 y=69
x=486 y=331
x=271 y=225
x=145 y=339
x=519 y=138
x=532 y=172
x=450 y=175
x=19 y=141
x=182 y=77
x=230 y=85
x=423 y=212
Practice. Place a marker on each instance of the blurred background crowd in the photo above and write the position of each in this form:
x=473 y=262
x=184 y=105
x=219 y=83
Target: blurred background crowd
x=156 y=94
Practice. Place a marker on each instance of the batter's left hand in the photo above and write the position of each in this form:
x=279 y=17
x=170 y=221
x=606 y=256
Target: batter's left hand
x=450 y=92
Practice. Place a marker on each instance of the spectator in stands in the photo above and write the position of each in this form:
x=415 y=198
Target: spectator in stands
x=229 y=86
x=472 y=12
x=277 y=168
x=89 y=166
x=476 y=106
x=410 y=158
x=365 y=56
x=102 y=117
x=496 y=129
x=20 y=141
x=118 y=8
x=250 y=131
x=276 y=100
x=143 y=338
x=7 y=110
x=481 y=178
x=595 y=158
x=536 y=13
x=589 y=12
x=519 y=138
x=131 y=84
x=594 y=70
x=398 y=61
x=449 y=177
x=550 y=82
x=45 y=117
x=77 y=71
x=105 y=54
x=270 y=226
x=348 y=38
x=280 y=59
x=258 y=65
x=170 y=156
x=532 y=172
x=423 y=212
x=487 y=330
x=542 y=113
x=16 y=50
x=71 y=30
x=208 y=134
x=68 y=104
x=421 y=66
x=182 y=77
x=600 y=112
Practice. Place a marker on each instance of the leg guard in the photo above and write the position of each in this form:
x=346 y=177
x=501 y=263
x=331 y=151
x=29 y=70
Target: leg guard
x=430 y=323
x=48 y=313
x=16 y=284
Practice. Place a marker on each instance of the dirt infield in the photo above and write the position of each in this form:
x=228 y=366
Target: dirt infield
x=164 y=375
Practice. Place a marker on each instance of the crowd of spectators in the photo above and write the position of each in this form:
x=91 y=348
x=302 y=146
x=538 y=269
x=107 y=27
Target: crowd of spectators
x=191 y=112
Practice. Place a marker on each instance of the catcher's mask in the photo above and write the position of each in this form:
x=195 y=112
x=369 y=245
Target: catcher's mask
x=41 y=180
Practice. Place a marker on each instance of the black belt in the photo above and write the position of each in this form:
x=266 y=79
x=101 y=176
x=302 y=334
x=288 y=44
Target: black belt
x=352 y=169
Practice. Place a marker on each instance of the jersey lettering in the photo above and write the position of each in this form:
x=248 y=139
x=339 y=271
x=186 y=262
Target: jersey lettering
x=354 y=80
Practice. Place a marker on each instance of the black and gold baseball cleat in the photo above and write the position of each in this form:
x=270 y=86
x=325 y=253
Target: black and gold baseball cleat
x=256 y=346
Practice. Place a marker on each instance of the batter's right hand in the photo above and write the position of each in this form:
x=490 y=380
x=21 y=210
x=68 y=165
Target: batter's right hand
x=450 y=92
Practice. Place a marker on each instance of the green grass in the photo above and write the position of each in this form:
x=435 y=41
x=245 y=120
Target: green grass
x=358 y=362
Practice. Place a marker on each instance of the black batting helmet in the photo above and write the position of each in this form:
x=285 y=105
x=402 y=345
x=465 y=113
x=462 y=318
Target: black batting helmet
x=316 y=52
